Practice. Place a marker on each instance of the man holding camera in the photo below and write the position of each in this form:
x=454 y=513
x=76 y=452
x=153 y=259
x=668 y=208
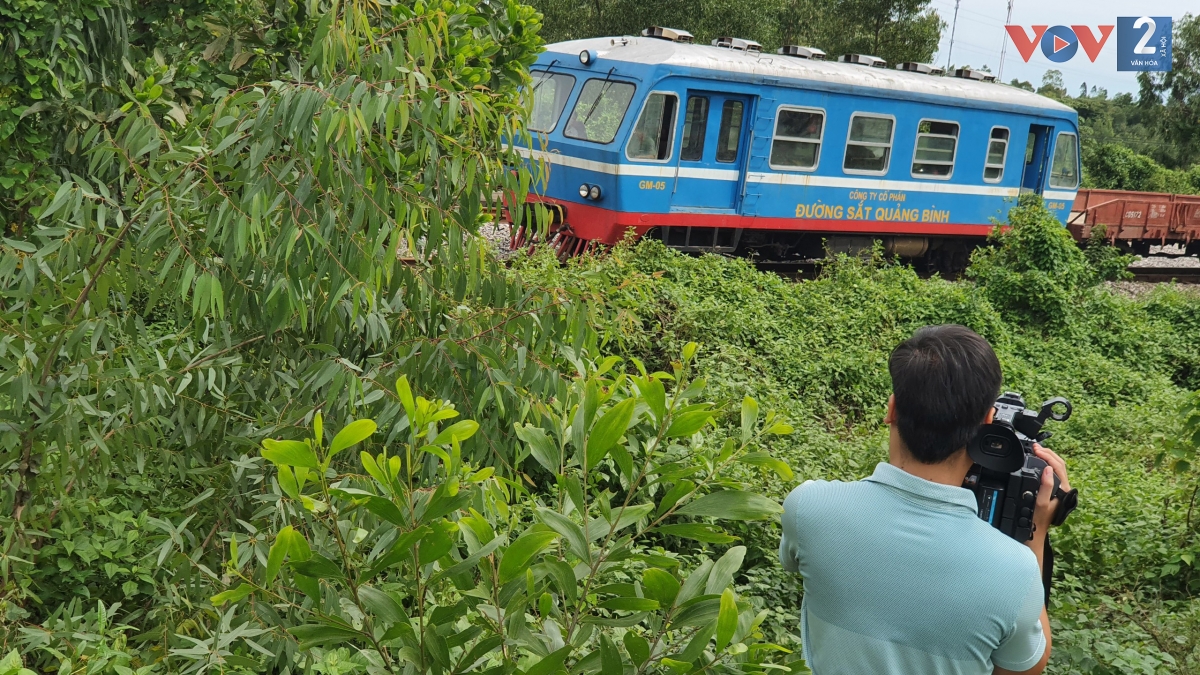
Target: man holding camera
x=900 y=573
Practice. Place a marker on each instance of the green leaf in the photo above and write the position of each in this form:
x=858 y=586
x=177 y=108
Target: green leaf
x=550 y=662
x=318 y=567
x=689 y=350
x=637 y=647
x=732 y=505
x=406 y=397
x=309 y=586
x=318 y=633
x=749 y=418
x=696 y=532
x=676 y=666
x=289 y=453
x=381 y=604
x=541 y=447
x=279 y=549
x=629 y=515
x=459 y=431
x=232 y=595
x=677 y=491
x=469 y=562
x=351 y=434
x=763 y=459
x=610 y=657
x=688 y=423
x=661 y=586
x=630 y=604
x=724 y=569
x=655 y=395
x=563 y=576
x=608 y=431
x=694 y=582
x=520 y=552
x=287 y=482
x=727 y=620
x=387 y=510
x=372 y=468
x=570 y=530
x=60 y=198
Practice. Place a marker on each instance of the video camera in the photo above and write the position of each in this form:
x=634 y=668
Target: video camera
x=1006 y=475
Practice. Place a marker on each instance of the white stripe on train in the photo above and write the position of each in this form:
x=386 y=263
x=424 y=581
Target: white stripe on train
x=803 y=180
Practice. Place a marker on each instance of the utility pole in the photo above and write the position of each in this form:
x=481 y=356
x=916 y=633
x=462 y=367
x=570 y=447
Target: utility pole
x=953 y=27
x=1004 y=44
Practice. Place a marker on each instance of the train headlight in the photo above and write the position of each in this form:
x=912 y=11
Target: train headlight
x=583 y=190
x=586 y=57
x=594 y=193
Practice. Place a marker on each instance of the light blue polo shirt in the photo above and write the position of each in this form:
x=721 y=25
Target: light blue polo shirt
x=901 y=576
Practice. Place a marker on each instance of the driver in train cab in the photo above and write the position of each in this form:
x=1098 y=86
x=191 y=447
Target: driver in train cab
x=901 y=576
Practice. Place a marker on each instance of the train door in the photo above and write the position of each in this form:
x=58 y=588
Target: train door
x=712 y=153
x=1037 y=155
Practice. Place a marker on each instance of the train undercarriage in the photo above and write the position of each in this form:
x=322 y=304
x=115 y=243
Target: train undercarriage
x=1133 y=221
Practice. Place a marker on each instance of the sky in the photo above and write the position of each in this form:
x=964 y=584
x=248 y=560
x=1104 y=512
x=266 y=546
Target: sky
x=980 y=33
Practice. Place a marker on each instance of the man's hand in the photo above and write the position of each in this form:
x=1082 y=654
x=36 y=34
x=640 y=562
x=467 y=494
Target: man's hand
x=1046 y=506
x=1060 y=467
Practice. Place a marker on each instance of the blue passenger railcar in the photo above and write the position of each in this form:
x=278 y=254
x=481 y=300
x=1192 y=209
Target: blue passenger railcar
x=725 y=147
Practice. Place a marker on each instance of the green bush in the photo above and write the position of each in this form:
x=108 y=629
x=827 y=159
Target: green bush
x=1035 y=271
x=428 y=560
x=816 y=350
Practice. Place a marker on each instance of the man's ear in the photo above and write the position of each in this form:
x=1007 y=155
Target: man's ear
x=890 y=416
x=990 y=416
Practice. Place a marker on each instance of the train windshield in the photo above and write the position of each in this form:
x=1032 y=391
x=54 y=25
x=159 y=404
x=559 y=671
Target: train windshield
x=1064 y=170
x=550 y=94
x=599 y=111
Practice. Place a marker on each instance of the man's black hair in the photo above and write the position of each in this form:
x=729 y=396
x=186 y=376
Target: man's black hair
x=945 y=379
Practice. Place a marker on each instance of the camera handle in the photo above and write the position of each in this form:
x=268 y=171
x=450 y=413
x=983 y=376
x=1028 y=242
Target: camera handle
x=1047 y=569
x=1058 y=409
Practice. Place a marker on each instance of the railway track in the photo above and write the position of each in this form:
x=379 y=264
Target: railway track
x=1183 y=275
x=809 y=269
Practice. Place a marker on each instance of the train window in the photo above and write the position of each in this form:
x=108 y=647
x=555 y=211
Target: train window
x=997 y=152
x=936 y=145
x=599 y=111
x=730 y=133
x=1064 y=170
x=550 y=94
x=869 y=145
x=654 y=133
x=797 y=141
x=695 y=124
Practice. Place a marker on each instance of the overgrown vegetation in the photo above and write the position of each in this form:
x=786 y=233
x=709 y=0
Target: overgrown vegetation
x=896 y=30
x=816 y=351
x=556 y=468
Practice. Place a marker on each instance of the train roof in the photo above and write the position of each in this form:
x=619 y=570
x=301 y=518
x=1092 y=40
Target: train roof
x=825 y=74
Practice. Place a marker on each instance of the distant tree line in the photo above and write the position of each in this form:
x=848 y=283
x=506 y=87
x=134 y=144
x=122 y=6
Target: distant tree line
x=895 y=30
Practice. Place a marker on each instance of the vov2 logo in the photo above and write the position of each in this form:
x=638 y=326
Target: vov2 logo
x=1143 y=43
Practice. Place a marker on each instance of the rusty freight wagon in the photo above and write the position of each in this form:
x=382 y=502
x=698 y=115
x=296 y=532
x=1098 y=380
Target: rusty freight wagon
x=1138 y=220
